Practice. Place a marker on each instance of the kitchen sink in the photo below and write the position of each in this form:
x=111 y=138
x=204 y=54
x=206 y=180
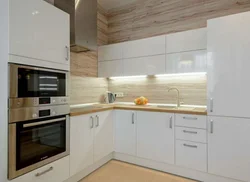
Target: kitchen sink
x=176 y=108
x=167 y=107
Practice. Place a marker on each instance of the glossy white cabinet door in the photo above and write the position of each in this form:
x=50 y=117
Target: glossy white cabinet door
x=81 y=143
x=187 y=62
x=145 y=47
x=110 y=68
x=59 y=172
x=229 y=147
x=228 y=65
x=155 y=136
x=39 y=31
x=186 y=41
x=110 y=52
x=125 y=132
x=103 y=137
x=149 y=65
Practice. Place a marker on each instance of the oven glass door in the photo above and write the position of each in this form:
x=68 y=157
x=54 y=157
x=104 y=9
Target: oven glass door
x=38 y=83
x=39 y=140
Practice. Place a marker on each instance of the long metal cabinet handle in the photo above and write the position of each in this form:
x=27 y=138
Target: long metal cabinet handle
x=190 y=118
x=44 y=122
x=212 y=127
x=92 y=122
x=44 y=172
x=97 y=121
x=191 y=132
x=133 y=118
x=191 y=146
x=211 y=105
x=171 y=122
x=67 y=53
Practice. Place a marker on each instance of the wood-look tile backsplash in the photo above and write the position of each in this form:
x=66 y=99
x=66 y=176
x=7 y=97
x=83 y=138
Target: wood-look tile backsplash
x=192 y=89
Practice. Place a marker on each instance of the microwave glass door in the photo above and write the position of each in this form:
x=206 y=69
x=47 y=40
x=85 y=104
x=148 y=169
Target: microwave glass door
x=38 y=83
x=39 y=140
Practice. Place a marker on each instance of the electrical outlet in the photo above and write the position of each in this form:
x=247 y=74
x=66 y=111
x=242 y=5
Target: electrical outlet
x=119 y=94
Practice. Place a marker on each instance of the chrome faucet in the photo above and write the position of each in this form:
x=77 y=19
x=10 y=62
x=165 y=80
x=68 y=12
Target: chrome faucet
x=178 y=95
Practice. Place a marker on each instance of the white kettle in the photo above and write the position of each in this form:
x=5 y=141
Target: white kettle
x=109 y=97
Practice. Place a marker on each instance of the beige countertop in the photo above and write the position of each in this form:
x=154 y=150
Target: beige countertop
x=153 y=108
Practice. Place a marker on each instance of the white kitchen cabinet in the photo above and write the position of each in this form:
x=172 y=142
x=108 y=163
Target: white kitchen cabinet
x=39 y=31
x=191 y=121
x=145 y=47
x=110 y=68
x=229 y=147
x=57 y=171
x=125 y=132
x=186 y=41
x=191 y=134
x=150 y=65
x=228 y=65
x=110 y=52
x=187 y=62
x=103 y=136
x=155 y=136
x=81 y=142
x=91 y=139
x=191 y=155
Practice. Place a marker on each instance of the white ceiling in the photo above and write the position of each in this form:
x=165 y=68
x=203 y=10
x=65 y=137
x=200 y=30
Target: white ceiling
x=109 y=4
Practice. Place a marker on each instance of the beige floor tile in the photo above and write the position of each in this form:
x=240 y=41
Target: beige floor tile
x=116 y=171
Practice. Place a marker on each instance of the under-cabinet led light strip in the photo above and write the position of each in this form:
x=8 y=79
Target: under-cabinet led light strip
x=161 y=75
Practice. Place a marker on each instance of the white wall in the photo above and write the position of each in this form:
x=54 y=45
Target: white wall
x=4 y=50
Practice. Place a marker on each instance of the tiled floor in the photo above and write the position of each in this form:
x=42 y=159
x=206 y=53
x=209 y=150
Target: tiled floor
x=116 y=171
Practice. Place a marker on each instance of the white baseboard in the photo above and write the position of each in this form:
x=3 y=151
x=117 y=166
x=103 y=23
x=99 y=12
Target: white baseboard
x=173 y=169
x=90 y=169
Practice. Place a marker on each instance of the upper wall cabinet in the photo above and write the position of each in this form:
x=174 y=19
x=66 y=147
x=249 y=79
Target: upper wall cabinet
x=187 y=62
x=110 y=68
x=144 y=47
x=39 y=31
x=186 y=41
x=110 y=52
x=149 y=65
x=228 y=65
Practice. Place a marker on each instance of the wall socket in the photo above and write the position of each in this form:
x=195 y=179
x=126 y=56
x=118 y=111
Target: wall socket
x=119 y=94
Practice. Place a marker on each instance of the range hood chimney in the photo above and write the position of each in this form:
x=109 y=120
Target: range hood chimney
x=83 y=23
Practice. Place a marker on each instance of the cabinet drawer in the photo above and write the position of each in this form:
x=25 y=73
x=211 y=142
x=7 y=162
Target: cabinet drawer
x=57 y=171
x=191 y=155
x=191 y=134
x=193 y=121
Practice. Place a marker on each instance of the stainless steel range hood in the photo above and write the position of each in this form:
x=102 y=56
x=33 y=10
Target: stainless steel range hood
x=83 y=23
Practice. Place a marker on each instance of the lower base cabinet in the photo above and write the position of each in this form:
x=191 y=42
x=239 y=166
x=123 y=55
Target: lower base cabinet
x=57 y=171
x=91 y=139
x=155 y=136
x=191 y=155
x=229 y=147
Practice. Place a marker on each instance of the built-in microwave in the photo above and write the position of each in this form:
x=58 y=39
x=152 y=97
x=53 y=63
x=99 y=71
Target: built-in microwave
x=34 y=86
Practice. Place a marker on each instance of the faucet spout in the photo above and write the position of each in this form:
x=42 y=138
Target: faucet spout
x=178 y=95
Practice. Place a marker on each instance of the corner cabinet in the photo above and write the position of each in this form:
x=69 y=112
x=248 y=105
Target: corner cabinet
x=38 y=31
x=155 y=136
x=228 y=66
x=91 y=139
x=229 y=147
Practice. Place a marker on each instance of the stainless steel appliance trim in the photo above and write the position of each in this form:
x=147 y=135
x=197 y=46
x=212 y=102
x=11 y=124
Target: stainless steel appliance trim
x=31 y=113
x=12 y=153
x=34 y=102
x=43 y=122
x=44 y=172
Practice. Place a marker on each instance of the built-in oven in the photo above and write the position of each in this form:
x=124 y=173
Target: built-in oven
x=33 y=86
x=37 y=142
